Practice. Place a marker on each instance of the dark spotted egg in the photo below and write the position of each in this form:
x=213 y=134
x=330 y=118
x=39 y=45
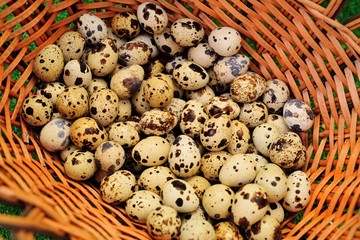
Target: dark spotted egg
x=134 y=52
x=77 y=73
x=247 y=87
x=190 y=76
x=153 y=18
x=73 y=102
x=202 y=54
x=125 y=25
x=187 y=32
x=267 y=228
x=226 y=41
x=192 y=118
x=80 y=165
x=92 y=28
x=164 y=222
x=72 y=45
x=297 y=196
x=153 y=178
x=298 y=116
x=51 y=91
x=228 y=68
x=167 y=45
x=104 y=106
x=37 y=110
x=109 y=156
x=55 y=135
x=276 y=94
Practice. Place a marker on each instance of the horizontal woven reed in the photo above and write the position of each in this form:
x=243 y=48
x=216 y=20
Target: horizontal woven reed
x=295 y=41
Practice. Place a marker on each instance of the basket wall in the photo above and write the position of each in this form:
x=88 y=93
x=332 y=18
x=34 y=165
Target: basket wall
x=295 y=41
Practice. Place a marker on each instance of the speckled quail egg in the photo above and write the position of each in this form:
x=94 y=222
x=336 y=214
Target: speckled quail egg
x=278 y=121
x=176 y=107
x=211 y=163
x=55 y=135
x=216 y=132
x=158 y=90
x=277 y=211
x=226 y=41
x=104 y=106
x=138 y=102
x=253 y=114
x=149 y=40
x=140 y=204
x=187 y=32
x=73 y=102
x=240 y=138
x=192 y=118
x=250 y=205
x=66 y=152
x=190 y=76
x=260 y=161
x=77 y=72
x=267 y=228
x=180 y=195
x=247 y=87
x=80 y=165
x=127 y=81
x=72 y=45
x=199 y=213
x=227 y=231
x=273 y=179
x=202 y=95
x=173 y=62
x=125 y=110
x=151 y=151
x=96 y=84
x=199 y=183
x=109 y=156
x=166 y=44
x=202 y=54
x=86 y=133
x=37 y=110
x=92 y=28
x=103 y=57
x=298 y=116
x=51 y=91
x=297 y=196
x=153 y=178
x=125 y=25
x=217 y=201
x=123 y=133
x=238 y=170
x=275 y=95
x=152 y=17
x=228 y=68
x=49 y=63
x=157 y=122
x=184 y=156
x=134 y=52
x=163 y=223
x=287 y=151
x=222 y=104
x=197 y=229
x=117 y=187
x=263 y=136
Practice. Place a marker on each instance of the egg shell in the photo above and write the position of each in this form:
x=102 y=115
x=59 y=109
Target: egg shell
x=238 y=170
x=276 y=94
x=109 y=156
x=92 y=28
x=167 y=45
x=240 y=138
x=158 y=90
x=263 y=136
x=72 y=44
x=211 y=163
x=217 y=201
x=273 y=179
x=153 y=178
x=184 y=157
x=250 y=205
x=66 y=152
x=134 y=52
x=277 y=211
x=140 y=204
x=151 y=151
x=228 y=68
x=197 y=229
x=216 y=133
x=125 y=110
x=247 y=87
x=149 y=40
x=104 y=106
x=227 y=231
x=123 y=133
x=80 y=165
x=49 y=63
x=152 y=17
x=253 y=114
x=190 y=76
x=287 y=151
x=176 y=107
x=199 y=213
x=260 y=161
x=126 y=82
x=117 y=187
x=37 y=110
x=187 y=32
x=86 y=133
x=180 y=195
x=173 y=62
x=252 y=149
x=157 y=122
x=298 y=116
x=73 y=102
x=298 y=193
x=96 y=84
x=55 y=135
x=51 y=91
x=278 y=121
x=199 y=183
x=138 y=102
x=267 y=228
x=202 y=54
x=222 y=104
x=225 y=41
x=202 y=95
x=192 y=118
x=103 y=57
x=163 y=223
x=125 y=25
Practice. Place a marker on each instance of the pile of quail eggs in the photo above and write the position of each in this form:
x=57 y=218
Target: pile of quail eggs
x=173 y=125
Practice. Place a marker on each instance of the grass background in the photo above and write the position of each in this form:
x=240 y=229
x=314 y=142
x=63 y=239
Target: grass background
x=351 y=8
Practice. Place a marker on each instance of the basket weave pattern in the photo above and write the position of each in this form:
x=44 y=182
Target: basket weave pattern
x=295 y=41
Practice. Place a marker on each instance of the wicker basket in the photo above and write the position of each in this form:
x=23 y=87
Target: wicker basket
x=296 y=41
